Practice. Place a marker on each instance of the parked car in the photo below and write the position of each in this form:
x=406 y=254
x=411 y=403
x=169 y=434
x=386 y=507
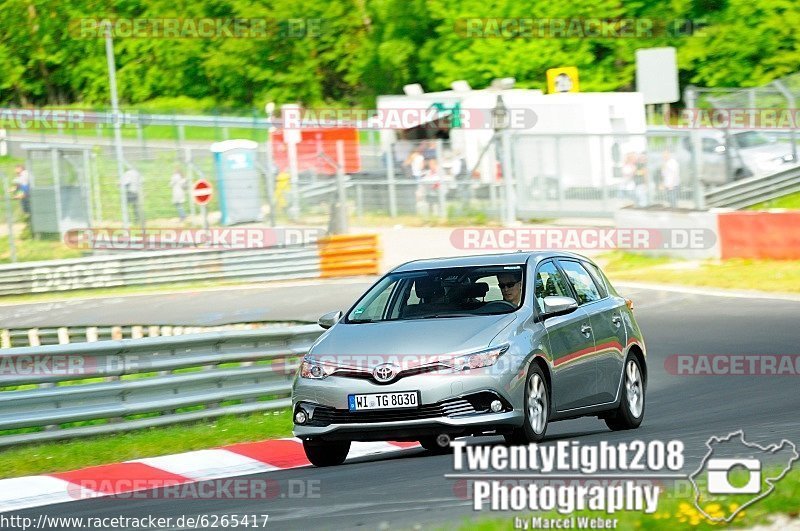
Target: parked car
x=478 y=345
x=750 y=153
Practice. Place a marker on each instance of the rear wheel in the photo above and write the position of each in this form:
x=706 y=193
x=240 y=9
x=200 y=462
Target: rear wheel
x=322 y=453
x=630 y=412
x=537 y=409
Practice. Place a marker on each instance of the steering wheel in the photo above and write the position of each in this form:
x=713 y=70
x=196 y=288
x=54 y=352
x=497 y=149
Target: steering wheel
x=496 y=306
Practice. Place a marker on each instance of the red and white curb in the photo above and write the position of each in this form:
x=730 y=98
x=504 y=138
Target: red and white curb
x=154 y=472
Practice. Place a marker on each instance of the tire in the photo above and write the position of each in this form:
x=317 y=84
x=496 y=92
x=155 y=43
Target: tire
x=630 y=412
x=432 y=444
x=537 y=409
x=326 y=453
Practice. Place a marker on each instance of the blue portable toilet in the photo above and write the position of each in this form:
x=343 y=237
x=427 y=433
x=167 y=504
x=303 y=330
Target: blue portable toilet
x=237 y=181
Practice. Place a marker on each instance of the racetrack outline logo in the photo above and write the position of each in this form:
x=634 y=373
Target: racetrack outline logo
x=769 y=481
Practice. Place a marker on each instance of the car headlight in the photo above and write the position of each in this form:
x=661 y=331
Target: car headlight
x=477 y=360
x=315 y=371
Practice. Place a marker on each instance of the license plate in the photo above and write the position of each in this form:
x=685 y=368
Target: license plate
x=401 y=400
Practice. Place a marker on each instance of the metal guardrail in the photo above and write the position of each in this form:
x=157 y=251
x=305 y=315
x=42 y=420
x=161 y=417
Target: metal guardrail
x=754 y=190
x=62 y=335
x=114 y=386
x=290 y=262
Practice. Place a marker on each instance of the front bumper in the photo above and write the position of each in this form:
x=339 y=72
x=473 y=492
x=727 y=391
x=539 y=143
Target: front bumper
x=456 y=404
x=412 y=430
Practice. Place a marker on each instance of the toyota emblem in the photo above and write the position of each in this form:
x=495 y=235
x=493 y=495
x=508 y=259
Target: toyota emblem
x=385 y=372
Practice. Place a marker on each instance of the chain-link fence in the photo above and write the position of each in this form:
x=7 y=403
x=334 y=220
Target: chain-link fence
x=554 y=175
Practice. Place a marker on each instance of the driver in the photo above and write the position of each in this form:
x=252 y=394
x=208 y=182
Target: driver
x=510 y=286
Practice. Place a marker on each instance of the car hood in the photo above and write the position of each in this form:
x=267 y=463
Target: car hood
x=766 y=151
x=414 y=337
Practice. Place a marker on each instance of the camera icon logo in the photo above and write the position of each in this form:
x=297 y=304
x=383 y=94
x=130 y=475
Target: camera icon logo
x=719 y=476
x=730 y=475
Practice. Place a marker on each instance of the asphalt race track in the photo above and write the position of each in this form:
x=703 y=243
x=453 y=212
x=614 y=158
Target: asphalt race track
x=401 y=492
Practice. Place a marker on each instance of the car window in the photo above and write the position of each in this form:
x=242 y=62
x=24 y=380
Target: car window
x=581 y=281
x=373 y=306
x=710 y=145
x=598 y=279
x=750 y=139
x=549 y=281
x=446 y=292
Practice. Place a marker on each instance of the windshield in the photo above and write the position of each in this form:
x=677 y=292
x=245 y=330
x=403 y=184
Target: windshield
x=752 y=139
x=442 y=293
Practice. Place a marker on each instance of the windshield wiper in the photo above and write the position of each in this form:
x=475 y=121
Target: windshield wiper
x=359 y=321
x=444 y=315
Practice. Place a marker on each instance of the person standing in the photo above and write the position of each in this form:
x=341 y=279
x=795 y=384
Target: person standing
x=178 y=185
x=670 y=178
x=22 y=188
x=132 y=181
x=641 y=181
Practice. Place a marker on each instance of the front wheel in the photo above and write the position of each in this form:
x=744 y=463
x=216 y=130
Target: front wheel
x=537 y=409
x=437 y=445
x=630 y=412
x=322 y=453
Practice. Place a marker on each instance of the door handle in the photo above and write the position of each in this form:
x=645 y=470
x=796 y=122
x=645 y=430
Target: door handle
x=617 y=320
x=586 y=330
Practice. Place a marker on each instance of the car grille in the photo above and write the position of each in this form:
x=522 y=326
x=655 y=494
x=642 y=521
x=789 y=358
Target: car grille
x=448 y=408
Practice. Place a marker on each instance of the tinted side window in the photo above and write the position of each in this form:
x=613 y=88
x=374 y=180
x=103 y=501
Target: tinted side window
x=549 y=281
x=581 y=281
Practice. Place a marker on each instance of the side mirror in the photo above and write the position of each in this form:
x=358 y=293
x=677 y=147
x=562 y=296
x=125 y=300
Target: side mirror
x=329 y=319
x=554 y=306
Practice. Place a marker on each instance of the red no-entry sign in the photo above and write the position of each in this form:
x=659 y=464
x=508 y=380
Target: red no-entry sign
x=201 y=192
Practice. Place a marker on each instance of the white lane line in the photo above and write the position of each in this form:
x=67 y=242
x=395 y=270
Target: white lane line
x=207 y=464
x=34 y=491
x=361 y=449
x=712 y=292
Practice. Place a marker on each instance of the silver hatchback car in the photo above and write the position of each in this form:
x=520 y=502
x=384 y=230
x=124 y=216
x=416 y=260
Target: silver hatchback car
x=479 y=345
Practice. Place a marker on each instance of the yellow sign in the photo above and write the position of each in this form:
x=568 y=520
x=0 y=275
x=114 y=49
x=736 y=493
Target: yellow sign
x=564 y=79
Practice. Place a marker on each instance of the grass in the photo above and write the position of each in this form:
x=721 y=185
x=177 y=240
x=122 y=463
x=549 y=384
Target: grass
x=28 y=250
x=60 y=456
x=791 y=202
x=677 y=512
x=740 y=274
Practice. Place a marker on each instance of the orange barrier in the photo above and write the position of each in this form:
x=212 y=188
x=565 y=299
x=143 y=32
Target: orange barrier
x=347 y=255
x=760 y=235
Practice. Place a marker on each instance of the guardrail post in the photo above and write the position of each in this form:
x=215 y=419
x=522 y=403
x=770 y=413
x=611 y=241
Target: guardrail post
x=33 y=337
x=63 y=335
x=5 y=338
x=91 y=334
